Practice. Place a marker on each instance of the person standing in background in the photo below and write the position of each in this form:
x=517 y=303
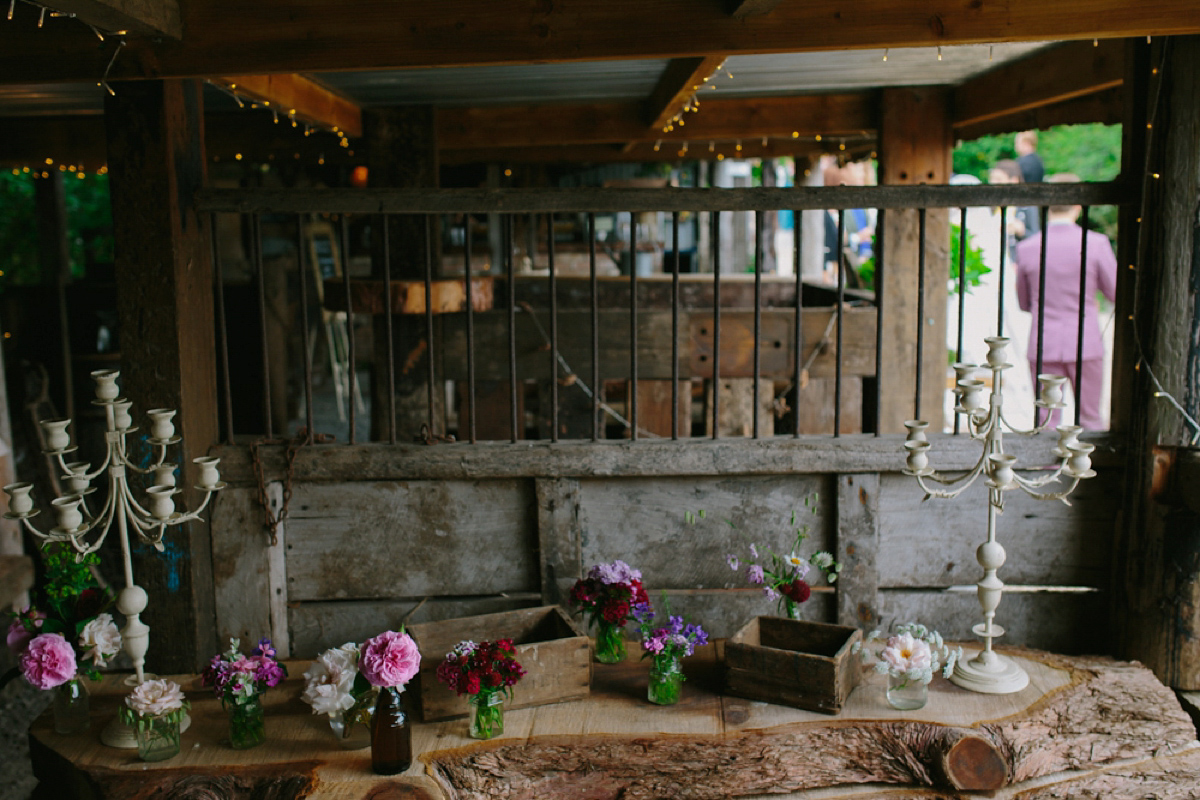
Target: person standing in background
x=1064 y=240
x=1032 y=168
x=1023 y=221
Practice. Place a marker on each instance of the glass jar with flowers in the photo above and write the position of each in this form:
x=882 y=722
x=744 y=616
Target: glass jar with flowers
x=334 y=686
x=909 y=658
x=240 y=682
x=154 y=710
x=486 y=671
x=389 y=661
x=667 y=645
x=67 y=636
x=606 y=596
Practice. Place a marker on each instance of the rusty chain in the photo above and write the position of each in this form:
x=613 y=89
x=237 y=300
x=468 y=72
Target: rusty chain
x=270 y=521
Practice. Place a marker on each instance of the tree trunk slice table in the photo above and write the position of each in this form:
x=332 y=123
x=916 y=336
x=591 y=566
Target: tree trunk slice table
x=1085 y=727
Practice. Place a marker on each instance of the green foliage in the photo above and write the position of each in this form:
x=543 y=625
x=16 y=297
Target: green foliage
x=974 y=271
x=18 y=230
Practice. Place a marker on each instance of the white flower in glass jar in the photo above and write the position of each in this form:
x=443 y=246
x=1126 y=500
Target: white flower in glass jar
x=329 y=682
x=907 y=655
x=100 y=640
x=155 y=698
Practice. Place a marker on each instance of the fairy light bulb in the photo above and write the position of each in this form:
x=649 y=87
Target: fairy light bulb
x=885 y=53
x=939 y=52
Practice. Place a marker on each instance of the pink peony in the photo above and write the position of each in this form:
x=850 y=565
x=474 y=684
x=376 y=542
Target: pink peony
x=905 y=653
x=49 y=661
x=390 y=659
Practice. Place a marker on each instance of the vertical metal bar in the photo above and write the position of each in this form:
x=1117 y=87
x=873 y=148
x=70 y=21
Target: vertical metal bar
x=798 y=322
x=256 y=232
x=553 y=329
x=633 y=320
x=920 y=308
x=387 y=325
x=1003 y=257
x=470 y=337
x=222 y=329
x=758 y=254
x=880 y=218
x=841 y=300
x=675 y=327
x=1041 y=318
x=303 y=277
x=715 y=240
x=429 y=358
x=1083 y=223
x=962 y=294
x=350 y=349
x=514 y=420
x=595 y=303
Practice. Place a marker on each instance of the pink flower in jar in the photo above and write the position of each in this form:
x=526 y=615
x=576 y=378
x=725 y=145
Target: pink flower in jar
x=48 y=661
x=389 y=659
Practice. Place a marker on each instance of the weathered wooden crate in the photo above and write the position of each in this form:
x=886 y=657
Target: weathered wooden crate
x=550 y=646
x=793 y=663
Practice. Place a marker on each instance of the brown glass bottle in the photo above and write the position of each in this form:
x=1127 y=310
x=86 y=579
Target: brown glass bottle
x=391 y=736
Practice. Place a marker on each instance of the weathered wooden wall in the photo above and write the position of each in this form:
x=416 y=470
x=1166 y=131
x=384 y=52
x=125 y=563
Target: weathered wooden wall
x=370 y=542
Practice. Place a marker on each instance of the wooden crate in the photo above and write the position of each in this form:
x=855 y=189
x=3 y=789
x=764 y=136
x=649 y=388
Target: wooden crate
x=793 y=663
x=550 y=646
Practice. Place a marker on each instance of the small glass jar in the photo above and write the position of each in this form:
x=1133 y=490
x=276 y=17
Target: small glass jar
x=610 y=643
x=487 y=715
x=905 y=693
x=666 y=682
x=72 y=708
x=158 y=736
x=246 y=725
x=350 y=734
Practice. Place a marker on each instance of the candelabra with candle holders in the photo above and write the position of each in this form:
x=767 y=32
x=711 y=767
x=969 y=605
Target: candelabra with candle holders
x=990 y=672
x=86 y=531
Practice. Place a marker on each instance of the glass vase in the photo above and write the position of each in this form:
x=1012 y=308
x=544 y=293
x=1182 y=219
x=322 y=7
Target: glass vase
x=72 y=708
x=349 y=733
x=610 y=643
x=792 y=608
x=246 y=726
x=487 y=715
x=391 y=735
x=158 y=736
x=666 y=681
x=905 y=693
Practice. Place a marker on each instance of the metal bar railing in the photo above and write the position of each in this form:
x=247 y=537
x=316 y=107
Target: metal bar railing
x=921 y=222
x=841 y=300
x=1041 y=315
x=798 y=326
x=675 y=327
x=302 y=277
x=256 y=227
x=633 y=329
x=351 y=353
x=469 y=287
x=1083 y=247
x=716 y=329
x=387 y=326
x=1000 y=277
x=553 y=329
x=514 y=409
x=222 y=331
x=430 y=377
x=758 y=256
x=594 y=301
x=962 y=297
x=880 y=227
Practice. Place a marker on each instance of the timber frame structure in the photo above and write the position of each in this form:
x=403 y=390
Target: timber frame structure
x=552 y=510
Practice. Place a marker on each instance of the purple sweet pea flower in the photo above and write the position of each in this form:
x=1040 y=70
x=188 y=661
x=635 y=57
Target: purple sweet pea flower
x=733 y=562
x=755 y=574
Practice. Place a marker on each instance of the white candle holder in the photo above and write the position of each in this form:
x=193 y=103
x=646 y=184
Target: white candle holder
x=86 y=531
x=989 y=672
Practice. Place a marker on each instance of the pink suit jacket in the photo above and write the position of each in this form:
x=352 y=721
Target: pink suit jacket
x=1062 y=289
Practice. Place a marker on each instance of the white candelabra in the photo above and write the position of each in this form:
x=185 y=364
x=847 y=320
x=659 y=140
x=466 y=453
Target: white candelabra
x=86 y=531
x=990 y=672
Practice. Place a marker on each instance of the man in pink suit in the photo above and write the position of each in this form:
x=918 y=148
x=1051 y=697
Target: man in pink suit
x=1063 y=244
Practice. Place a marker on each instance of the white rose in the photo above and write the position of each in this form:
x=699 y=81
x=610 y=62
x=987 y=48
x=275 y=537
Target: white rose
x=100 y=640
x=155 y=697
x=330 y=680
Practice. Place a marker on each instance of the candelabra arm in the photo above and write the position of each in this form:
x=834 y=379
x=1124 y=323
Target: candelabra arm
x=948 y=494
x=1054 y=495
x=135 y=508
x=162 y=458
x=1034 y=431
x=1037 y=483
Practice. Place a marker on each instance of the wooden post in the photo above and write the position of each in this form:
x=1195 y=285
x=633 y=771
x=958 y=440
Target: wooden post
x=858 y=550
x=915 y=144
x=1157 y=557
x=401 y=148
x=155 y=135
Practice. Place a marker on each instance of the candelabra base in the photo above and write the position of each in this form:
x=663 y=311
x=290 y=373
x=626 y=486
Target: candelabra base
x=990 y=673
x=119 y=735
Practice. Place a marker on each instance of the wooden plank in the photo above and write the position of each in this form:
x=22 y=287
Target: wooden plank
x=678 y=83
x=644 y=458
x=405 y=539
x=241 y=567
x=858 y=526
x=230 y=38
x=493 y=411
x=1065 y=72
x=1048 y=543
x=735 y=412
x=165 y=319
x=654 y=407
x=447 y=296
x=858 y=146
x=301 y=98
x=512 y=201
x=574 y=407
x=149 y=17
x=740 y=9
x=1106 y=107
x=559 y=538
x=816 y=404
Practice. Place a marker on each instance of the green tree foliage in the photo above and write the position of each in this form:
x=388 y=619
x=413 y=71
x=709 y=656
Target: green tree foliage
x=18 y=230
x=973 y=267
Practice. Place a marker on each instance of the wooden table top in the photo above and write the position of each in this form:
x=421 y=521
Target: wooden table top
x=1080 y=722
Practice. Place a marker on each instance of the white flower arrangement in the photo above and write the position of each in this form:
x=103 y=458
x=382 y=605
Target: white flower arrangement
x=100 y=640
x=334 y=686
x=153 y=698
x=913 y=653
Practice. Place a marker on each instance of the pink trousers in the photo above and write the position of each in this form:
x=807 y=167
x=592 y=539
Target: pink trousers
x=1089 y=403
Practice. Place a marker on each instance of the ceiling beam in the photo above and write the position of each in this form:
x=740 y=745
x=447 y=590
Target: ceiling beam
x=234 y=37
x=301 y=97
x=678 y=84
x=1104 y=107
x=150 y=17
x=644 y=152
x=830 y=115
x=1047 y=77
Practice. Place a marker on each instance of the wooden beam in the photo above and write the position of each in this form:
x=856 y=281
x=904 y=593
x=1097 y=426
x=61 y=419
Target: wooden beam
x=150 y=17
x=644 y=152
x=678 y=84
x=233 y=37
x=1050 y=76
x=1106 y=107
x=830 y=115
x=303 y=98
x=740 y=9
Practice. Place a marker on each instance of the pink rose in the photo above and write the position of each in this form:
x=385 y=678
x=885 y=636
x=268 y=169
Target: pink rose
x=18 y=635
x=390 y=659
x=49 y=661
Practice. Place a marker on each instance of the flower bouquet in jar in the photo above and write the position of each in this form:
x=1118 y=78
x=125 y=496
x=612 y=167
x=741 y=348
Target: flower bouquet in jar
x=909 y=658
x=607 y=596
x=667 y=645
x=155 y=709
x=486 y=671
x=334 y=686
x=240 y=682
x=389 y=661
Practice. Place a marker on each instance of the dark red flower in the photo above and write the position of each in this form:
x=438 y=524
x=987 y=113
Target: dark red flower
x=797 y=591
